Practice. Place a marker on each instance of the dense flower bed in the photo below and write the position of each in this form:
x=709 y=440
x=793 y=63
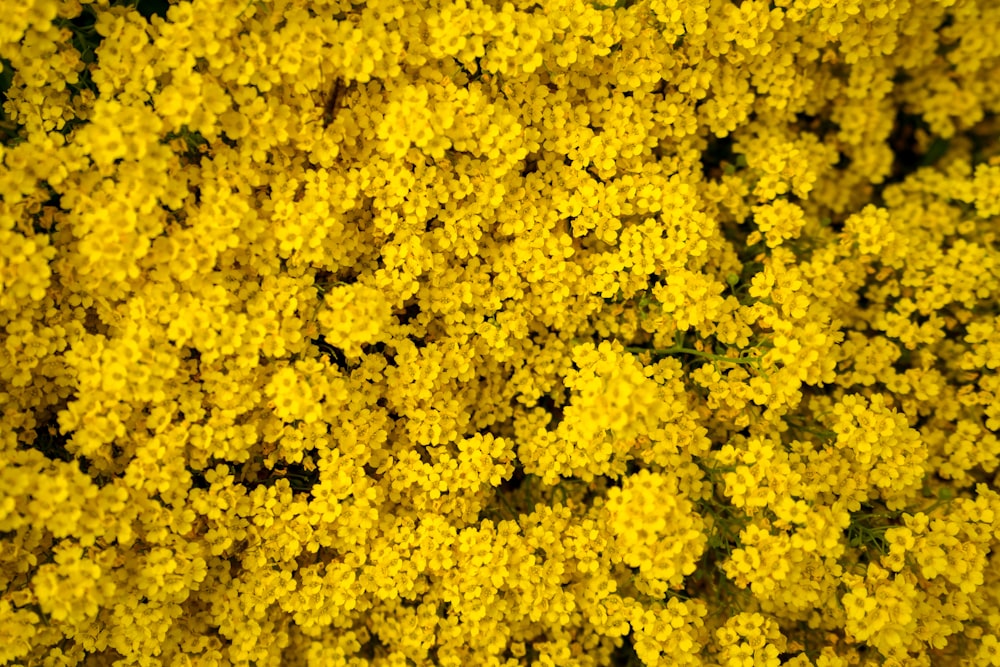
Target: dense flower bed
x=478 y=333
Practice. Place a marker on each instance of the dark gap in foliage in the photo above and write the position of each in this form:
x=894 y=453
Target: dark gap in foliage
x=51 y=442
x=151 y=8
x=907 y=154
x=716 y=156
x=625 y=655
x=334 y=355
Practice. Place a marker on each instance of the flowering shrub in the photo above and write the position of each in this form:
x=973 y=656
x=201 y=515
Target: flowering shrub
x=469 y=332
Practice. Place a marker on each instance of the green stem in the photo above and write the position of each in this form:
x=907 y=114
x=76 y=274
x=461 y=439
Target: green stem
x=676 y=349
x=934 y=506
x=503 y=501
x=562 y=492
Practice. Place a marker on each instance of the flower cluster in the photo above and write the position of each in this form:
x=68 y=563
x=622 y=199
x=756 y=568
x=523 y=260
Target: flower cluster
x=473 y=332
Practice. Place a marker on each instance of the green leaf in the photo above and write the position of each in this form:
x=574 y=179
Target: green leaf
x=935 y=151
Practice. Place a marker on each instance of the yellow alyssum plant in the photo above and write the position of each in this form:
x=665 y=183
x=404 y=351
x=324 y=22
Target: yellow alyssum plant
x=507 y=332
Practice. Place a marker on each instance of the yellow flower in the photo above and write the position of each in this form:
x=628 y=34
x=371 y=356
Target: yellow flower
x=656 y=530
